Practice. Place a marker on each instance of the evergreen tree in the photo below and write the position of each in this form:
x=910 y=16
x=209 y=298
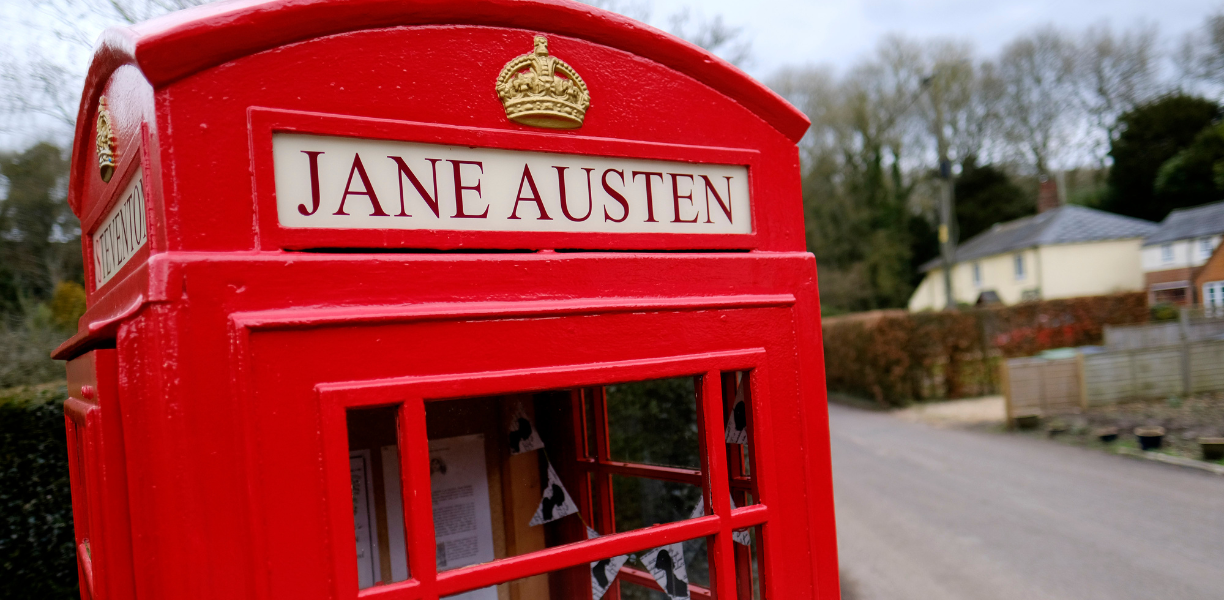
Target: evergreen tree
x=40 y=243
x=985 y=195
x=1195 y=175
x=1150 y=136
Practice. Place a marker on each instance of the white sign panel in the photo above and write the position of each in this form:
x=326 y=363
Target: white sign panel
x=346 y=183
x=122 y=233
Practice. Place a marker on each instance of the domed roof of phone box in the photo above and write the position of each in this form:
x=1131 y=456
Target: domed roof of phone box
x=186 y=42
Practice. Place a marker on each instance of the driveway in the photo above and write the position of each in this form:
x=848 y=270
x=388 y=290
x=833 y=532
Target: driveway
x=929 y=513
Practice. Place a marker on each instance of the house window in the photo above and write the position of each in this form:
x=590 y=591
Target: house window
x=1175 y=295
x=1213 y=294
x=1018 y=262
x=977 y=274
x=1166 y=253
x=1205 y=247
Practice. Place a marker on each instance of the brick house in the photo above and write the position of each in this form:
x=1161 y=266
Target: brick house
x=1176 y=253
x=1210 y=281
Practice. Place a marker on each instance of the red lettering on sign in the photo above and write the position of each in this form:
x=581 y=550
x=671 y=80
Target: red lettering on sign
x=404 y=171
x=726 y=208
x=359 y=169
x=460 y=188
x=619 y=197
x=535 y=196
x=649 y=193
x=675 y=177
x=564 y=206
x=314 y=184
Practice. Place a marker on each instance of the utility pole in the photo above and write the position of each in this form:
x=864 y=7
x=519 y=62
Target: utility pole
x=947 y=239
x=947 y=216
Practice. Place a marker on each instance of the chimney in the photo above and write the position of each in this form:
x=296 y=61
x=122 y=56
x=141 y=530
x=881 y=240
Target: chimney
x=1047 y=195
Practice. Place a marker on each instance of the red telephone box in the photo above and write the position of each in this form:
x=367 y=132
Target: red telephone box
x=447 y=298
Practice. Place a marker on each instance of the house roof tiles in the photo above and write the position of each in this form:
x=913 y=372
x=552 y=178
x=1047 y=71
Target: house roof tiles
x=1185 y=223
x=1066 y=224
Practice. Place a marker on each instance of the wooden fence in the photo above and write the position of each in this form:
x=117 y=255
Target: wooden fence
x=1198 y=325
x=1036 y=386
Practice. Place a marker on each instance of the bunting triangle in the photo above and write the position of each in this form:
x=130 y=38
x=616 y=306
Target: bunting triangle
x=666 y=565
x=737 y=421
x=523 y=434
x=556 y=502
x=604 y=572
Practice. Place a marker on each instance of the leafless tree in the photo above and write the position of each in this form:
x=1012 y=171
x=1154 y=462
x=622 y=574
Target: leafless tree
x=713 y=34
x=1201 y=56
x=1113 y=73
x=638 y=10
x=42 y=84
x=1036 y=72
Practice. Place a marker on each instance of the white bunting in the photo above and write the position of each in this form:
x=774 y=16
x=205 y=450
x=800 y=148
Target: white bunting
x=741 y=536
x=604 y=572
x=737 y=421
x=556 y=502
x=667 y=566
x=523 y=434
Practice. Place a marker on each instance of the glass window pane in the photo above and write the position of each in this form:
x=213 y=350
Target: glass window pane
x=518 y=473
x=638 y=576
x=378 y=520
x=641 y=502
x=654 y=422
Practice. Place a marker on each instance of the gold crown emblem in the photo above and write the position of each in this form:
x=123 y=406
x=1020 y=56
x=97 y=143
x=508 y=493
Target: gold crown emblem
x=542 y=90
x=105 y=142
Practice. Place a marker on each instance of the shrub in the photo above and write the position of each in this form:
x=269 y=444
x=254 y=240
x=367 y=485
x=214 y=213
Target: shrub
x=25 y=351
x=37 y=554
x=67 y=305
x=896 y=357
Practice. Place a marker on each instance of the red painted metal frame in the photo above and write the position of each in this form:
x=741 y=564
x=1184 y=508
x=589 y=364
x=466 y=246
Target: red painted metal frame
x=410 y=395
x=81 y=422
x=213 y=469
x=600 y=467
x=265 y=122
x=178 y=45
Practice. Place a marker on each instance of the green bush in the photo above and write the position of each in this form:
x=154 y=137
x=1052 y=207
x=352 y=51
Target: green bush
x=37 y=554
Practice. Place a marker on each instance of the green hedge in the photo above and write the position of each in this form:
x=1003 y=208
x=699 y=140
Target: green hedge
x=895 y=357
x=37 y=558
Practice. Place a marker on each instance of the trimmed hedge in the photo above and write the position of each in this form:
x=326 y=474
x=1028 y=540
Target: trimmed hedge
x=896 y=357
x=37 y=554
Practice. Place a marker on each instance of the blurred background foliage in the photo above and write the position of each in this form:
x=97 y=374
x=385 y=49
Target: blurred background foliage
x=37 y=553
x=655 y=422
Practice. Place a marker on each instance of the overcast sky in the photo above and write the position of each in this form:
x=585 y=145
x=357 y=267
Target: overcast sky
x=838 y=31
x=786 y=32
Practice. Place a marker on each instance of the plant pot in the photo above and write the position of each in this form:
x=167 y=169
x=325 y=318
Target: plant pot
x=1212 y=447
x=1107 y=434
x=1151 y=437
x=1028 y=421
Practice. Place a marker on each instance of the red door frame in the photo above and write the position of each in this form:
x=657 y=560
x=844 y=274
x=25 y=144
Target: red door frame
x=410 y=395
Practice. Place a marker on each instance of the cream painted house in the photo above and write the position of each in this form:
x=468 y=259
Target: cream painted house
x=1174 y=255
x=1065 y=252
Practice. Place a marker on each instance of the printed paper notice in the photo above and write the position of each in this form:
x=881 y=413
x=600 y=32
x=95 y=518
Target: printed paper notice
x=363 y=517
x=463 y=525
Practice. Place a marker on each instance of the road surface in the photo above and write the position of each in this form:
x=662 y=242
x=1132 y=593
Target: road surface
x=926 y=513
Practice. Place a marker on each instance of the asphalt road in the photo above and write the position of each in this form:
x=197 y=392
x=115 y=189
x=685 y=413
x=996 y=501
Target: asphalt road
x=943 y=514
